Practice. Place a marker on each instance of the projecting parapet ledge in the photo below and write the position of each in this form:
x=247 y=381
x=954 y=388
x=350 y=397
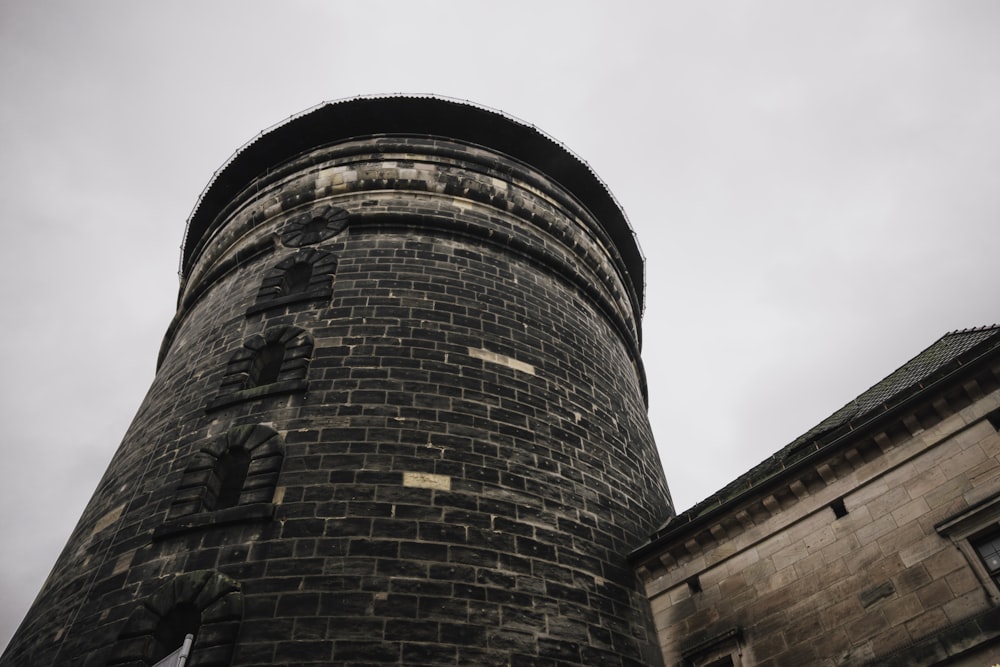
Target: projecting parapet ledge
x=339 y=121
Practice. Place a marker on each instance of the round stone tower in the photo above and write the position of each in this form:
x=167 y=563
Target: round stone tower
x=398 y=419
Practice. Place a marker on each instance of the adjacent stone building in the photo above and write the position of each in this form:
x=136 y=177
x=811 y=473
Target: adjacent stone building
x=873 y=539
x=400 y=419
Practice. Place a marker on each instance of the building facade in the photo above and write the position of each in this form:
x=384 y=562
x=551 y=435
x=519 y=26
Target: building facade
x=400 y=418
x=372 y=438
x=873 y=539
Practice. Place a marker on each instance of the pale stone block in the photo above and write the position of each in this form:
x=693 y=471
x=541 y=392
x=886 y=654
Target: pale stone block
x=861 y=558
x=889 y=640
x=426 y=480
x=777 y=580
x=840 y=612
x=678 y=593
x=890 y=500
x=927 y=623
x=902 y=609
x=123 y=562
x=762 y=570
x=925 y=482
x=943 y=429
x=921 y=550
x=953 y=488
x=956 y=465
x=108 y=519
x=963 y=581
x=983 y=491
x=973 y=435
x=789 y=556
x=713 y=576
x=722 y=550
x=857 y=518
x=885 y=568
x=501 y=359
x=839 y=549
x=741 y=561
x=772 y=545
x=809 y=564
x=911 y=511
x=866 y=493
x=815 y=530
x=986 y=473
x=944 y=562
x=895 y=541
x=820 y=538
x=965 y=605
x=867 y=626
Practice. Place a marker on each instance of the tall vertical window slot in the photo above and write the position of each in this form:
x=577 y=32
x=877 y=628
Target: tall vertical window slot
x=266 y=364
x=231 y=472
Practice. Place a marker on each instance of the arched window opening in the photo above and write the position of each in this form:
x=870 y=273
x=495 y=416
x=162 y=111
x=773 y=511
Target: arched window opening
x=205 y=605
x=232 y=478
x=231 y=472
x=296 y=279
x=267 y=364
x=184 y=619
x=306 y=275
x=275 y=362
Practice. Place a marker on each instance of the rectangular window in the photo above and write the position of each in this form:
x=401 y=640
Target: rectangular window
x=988 y=548
x=976 y=533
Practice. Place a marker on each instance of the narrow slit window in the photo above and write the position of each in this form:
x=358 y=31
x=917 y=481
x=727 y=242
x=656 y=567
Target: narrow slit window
x=232 y=474
x=994 y=419
x=267 y=364
x=838 y=507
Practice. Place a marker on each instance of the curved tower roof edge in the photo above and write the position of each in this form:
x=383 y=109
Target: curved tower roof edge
x=338 y=120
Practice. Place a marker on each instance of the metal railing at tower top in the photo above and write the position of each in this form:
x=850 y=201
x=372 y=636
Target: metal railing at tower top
x=421 y=114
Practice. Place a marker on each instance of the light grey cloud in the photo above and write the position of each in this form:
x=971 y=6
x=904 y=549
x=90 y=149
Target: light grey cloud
x=814 y=187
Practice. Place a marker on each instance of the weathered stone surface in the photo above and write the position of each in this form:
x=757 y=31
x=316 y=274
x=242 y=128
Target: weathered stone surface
x=467 y=459
x=886 y=583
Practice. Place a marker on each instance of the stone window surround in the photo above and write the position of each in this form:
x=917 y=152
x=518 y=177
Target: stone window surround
x=187 y=511
x=964 y=527
x=324 y=266
x=215 y=596
x=292 y=377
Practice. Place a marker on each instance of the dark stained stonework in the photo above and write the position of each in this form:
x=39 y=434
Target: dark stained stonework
x=466 y=457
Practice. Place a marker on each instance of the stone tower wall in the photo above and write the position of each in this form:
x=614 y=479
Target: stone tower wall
x=449 y=467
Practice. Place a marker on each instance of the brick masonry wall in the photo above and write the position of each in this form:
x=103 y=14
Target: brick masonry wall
x=466 y=469
x=806 y=587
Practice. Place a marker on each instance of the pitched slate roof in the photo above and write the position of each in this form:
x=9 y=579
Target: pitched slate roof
x=947 y=354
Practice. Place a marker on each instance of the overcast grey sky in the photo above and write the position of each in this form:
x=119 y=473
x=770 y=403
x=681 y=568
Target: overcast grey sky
x=814 y=184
